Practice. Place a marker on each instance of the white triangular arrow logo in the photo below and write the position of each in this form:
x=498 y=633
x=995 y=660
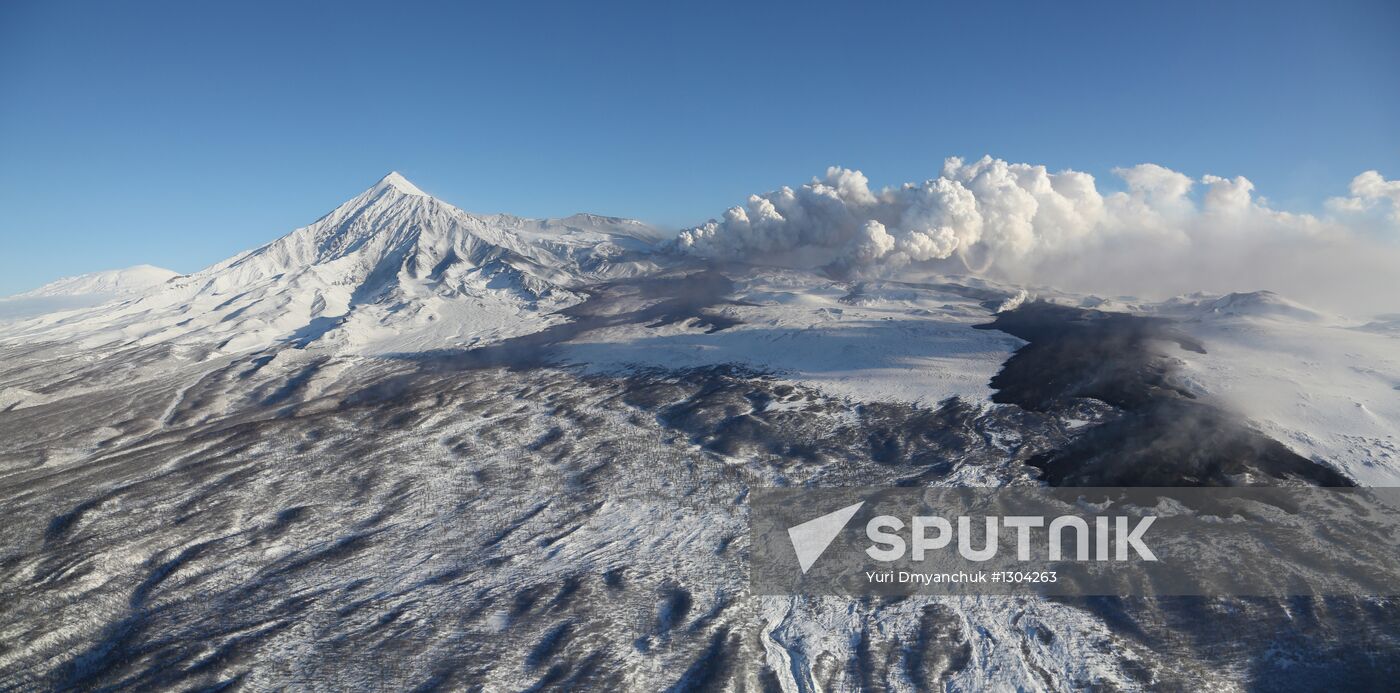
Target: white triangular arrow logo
x=811 y=538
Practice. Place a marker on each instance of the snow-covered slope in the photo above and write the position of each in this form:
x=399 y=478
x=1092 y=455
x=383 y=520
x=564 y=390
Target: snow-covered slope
x=115 y=282
x=391 y=269
x=84 y=290
x=396 y=271
x=296 y=460
x=1325 y=386
x=872 y=341
x=1255 y=304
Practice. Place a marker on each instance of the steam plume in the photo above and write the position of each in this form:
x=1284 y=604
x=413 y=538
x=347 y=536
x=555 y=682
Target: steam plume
x=1163 y=233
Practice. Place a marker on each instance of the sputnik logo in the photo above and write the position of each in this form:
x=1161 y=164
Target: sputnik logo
x=811 y=538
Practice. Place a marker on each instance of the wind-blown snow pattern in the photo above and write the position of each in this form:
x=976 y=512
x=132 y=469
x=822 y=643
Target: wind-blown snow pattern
x=407 y=447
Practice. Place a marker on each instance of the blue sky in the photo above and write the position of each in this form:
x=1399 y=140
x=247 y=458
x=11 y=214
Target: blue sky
x=179 y=133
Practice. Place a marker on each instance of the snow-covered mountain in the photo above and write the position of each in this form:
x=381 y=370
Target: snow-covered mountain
x=414 y=447
x=391 y=269
x=110 y=282
x=394 y=234
x=396 y=271
x=1257 y=304
x=84 y=290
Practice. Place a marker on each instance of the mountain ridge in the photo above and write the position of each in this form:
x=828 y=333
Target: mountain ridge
x=390 y=260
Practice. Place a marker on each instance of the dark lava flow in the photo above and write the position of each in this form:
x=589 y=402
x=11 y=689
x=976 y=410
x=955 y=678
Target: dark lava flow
x=1163 y=437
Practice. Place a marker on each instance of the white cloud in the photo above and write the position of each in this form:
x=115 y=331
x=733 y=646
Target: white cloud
x=1022 y=223
x=1229 y=197
x=1370 y=191
x=1157 y=188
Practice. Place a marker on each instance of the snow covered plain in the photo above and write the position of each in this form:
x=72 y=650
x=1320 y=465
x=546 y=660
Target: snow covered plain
x=406 y=447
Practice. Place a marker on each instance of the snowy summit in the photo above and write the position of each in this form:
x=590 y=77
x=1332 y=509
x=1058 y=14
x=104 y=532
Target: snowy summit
x=311 y=421
x=396 y=181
